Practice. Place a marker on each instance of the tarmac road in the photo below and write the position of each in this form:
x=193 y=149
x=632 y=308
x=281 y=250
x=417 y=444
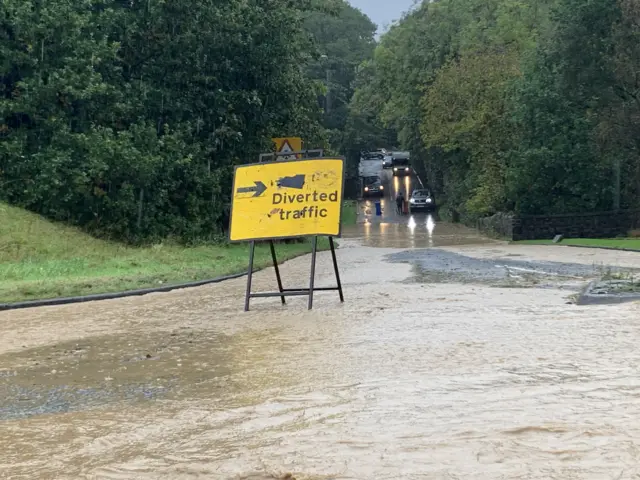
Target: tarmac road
x=415 y=230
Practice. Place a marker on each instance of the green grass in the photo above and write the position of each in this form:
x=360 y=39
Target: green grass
x=622 y=243
x=40 y=259
x=349 y=212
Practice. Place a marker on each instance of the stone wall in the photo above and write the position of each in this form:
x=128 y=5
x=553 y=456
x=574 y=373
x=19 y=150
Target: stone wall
x=545 y=227
x=497 y=226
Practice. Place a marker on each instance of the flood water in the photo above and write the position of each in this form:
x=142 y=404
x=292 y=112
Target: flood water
x=409 y=378
x=413 y=230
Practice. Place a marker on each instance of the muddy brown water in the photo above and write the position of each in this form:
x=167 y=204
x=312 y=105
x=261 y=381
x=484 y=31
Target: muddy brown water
x=404 y=380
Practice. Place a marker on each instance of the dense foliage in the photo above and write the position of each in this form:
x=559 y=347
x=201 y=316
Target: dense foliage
x=127 y=116
x=345 y=41
x=531 y=107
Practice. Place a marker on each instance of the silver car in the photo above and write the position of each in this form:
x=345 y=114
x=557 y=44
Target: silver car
x=422 y=200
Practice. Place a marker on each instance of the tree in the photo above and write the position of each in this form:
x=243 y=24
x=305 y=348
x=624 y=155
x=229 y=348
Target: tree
x=556 y=167
x=618 y=133
x=344 y=39
x=464 y=112
x=127 y=117
x=529 y=107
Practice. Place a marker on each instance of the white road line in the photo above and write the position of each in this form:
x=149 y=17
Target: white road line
x=541 y=272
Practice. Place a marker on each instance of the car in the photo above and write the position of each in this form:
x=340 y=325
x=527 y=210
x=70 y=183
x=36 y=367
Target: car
x=372 y=187
x=422 y=200
x=372 y=156
x=387 y=162
x=401 y=167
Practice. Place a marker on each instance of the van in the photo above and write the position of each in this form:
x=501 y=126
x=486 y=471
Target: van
x=400 y=164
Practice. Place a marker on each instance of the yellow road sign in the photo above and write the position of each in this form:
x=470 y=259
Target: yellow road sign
x=287 y=144
x=287 y=199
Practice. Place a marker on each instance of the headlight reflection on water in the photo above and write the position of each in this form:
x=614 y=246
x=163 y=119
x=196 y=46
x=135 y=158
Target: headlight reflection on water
x=412 y=224
x=431 y=225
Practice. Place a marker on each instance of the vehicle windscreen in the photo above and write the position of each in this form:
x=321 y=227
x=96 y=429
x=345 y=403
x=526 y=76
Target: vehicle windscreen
x=401 y=161
x=422 y=193
x=371 y=180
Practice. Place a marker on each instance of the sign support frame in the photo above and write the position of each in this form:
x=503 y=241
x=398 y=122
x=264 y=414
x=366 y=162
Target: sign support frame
x=293 y=292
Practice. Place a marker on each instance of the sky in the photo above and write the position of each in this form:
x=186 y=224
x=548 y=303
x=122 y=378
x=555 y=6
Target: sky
x=383 y=12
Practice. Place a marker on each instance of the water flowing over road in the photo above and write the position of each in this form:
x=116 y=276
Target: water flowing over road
x=466 y=361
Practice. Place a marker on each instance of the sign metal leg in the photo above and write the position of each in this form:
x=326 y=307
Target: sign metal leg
x=335 y=267
x=277 y=269
x=312 y=277
x=247 y=297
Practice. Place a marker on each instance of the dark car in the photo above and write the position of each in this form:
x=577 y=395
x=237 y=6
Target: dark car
x=401 y=167
x=422 y=200
x=373 y=187
x=387 y=162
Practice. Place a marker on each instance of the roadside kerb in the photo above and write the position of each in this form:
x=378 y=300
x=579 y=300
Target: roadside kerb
x=587 y=297
x=515 y=242
x=114 y=295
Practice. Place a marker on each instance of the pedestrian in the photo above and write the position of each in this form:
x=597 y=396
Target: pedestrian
x=400 y=203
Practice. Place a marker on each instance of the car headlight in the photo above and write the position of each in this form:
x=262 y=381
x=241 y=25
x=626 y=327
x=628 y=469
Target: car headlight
x=412 y=200
x=395 y=169
x=381 y=187
x=366 y=189
x=428 y=200
x=406 y=169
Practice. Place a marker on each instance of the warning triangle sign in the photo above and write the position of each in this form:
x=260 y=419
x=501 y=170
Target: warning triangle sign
x=286 y=147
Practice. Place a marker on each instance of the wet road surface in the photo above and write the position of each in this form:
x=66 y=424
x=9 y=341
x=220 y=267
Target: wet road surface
x=413 y=230
x=465 y=361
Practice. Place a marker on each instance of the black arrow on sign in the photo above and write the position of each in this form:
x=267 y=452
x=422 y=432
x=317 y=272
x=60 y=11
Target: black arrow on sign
x=259 y=189
x=296 y=181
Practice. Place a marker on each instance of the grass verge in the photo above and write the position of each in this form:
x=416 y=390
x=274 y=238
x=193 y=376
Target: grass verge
x=40 y=259
x=349 y=212
x=617 y=243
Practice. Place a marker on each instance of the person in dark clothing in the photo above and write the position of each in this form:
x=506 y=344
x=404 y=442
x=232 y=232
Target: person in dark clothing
x=400 y=203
